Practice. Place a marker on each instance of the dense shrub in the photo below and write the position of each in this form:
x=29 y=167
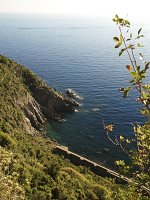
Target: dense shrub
x=6 y=140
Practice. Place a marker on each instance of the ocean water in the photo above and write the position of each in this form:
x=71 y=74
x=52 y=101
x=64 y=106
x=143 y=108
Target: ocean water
x=79 y=54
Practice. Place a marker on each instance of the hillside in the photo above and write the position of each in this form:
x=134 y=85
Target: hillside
x=28 y=167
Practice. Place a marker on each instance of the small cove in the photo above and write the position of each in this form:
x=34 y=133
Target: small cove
x=77 y=54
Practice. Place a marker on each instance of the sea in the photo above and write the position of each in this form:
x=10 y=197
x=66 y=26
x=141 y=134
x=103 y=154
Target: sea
x=78 y=53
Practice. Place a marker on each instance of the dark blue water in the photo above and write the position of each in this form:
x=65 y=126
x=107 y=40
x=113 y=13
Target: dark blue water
x=79 y=54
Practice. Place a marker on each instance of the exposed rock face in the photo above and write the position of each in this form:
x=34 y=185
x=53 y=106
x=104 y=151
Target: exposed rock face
x=42 y=102
x=32 y=113
x=71 y=93
x=73 y=102
x=50 y=101
x=35 y=101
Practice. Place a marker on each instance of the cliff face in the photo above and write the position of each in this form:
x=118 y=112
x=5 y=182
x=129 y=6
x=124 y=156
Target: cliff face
x=34 y=100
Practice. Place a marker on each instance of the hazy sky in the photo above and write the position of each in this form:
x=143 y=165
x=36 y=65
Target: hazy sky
x=139 y=9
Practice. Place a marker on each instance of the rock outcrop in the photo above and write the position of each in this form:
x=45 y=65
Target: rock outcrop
x=35 y=100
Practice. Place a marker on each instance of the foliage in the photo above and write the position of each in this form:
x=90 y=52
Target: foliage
x=6 y=140
x=9 y=185
x=28 y=165
x=140 y=155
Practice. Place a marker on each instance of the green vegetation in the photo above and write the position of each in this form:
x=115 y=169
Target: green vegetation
x=28 y=168
x=138 y=149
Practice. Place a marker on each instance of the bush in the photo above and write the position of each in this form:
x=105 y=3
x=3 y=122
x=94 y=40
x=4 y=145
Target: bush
x=6 y=140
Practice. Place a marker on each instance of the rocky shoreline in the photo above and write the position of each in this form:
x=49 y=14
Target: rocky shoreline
x=44 y=103
x=37 y=102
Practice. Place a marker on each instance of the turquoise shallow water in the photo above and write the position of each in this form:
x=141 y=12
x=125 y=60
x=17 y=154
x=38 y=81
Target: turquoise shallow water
x=79 y=54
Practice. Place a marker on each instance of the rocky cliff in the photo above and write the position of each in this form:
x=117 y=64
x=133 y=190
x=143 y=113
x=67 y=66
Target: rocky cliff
x=36 y=102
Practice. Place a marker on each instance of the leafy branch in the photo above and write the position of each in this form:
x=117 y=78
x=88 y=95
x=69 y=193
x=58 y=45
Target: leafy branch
x=140 y=156
x=136 y=72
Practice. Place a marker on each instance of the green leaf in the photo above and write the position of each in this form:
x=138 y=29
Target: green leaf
x=145 y=95
x=120 y=41
x=118 y=45
x=121 y=138
x=122 y=50
x=138 y=68
x=128 y=39
x=139 y=31
x=121 y=38
x=120 y=162
x=128 y=141
x=147 y=66
x=120 y=20
x=116 y=16
x=132 y=81
x=125 y=91
x=145 y=112
x=139 y=45
x=130 y=46
x=120 y=53
x=146 y=87
x=134 y=74
x=116 y=39
x=143 y=75
x=130 y=35
x=139 y=36
x=127 y=22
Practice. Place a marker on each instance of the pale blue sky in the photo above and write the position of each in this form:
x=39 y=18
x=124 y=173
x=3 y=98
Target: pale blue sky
x=133 y=8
